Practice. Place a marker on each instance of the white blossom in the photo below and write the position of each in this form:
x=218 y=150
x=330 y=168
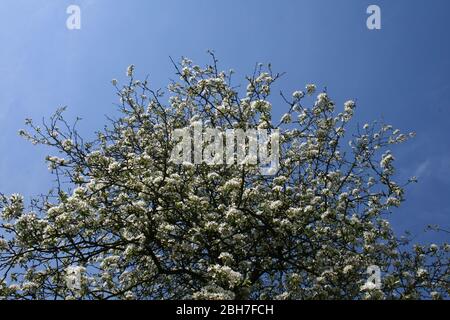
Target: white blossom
x=130 y=70
x=286 y=118
x=298 y=94
x=310 y=89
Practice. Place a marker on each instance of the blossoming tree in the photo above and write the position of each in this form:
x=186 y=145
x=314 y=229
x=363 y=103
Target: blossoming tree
x=134 y=225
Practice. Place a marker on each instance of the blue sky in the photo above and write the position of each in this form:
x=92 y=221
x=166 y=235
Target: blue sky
x=399 y=73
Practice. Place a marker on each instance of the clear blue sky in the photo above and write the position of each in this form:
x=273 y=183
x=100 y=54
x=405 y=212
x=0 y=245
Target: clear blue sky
x=399 y=73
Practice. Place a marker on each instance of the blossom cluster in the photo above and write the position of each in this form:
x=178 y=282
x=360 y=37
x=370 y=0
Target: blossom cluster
x=140 y=226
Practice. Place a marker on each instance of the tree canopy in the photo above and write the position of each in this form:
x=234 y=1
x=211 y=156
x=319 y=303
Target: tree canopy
x=132 y=224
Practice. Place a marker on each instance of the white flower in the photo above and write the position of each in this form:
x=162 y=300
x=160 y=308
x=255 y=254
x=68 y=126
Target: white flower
x=277 y=189
x=386 y=160
x=213 y=292
x=225 y=273
x=435 y=295
x=368 y=286
x=67 y=144
x=280 y=180
x=421 y=272
x=298 y=94
x=15 y=208
x=226 y=257
x=393 y=202
x=343 y=196
x=213 y=176
x=233 y=213
x=188 y=165
x=322 y=97
x=233 y=183
x=261 y=105
x=349 y=106
x=274 y=205
x=286 y=118
x=29 y=286
x=347 y=269
x=310 y=89
x=130 y=70
x=296 y=107
x=282 y=296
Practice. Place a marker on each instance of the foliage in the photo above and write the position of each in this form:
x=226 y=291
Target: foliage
x=141 y=227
